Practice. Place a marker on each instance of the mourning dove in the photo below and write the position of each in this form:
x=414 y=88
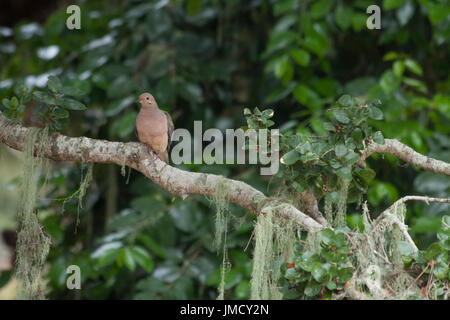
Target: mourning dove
x=154 y=127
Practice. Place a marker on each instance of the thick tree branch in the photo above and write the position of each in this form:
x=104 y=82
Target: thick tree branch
x=405 y=153
x=136 y=156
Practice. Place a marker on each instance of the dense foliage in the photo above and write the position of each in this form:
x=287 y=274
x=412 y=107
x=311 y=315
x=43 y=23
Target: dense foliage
x=208 y=60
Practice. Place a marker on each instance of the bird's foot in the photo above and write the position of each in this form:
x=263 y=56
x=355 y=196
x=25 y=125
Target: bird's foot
x=149 y=149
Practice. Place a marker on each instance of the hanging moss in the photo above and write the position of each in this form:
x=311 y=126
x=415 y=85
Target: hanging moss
x=328 y=209
x=379 y=271
x=274 y=244
x=84 y=185
x=79 y=194
x=262 y=256
x=221 y=204
x=32 y=243
x=224 y=268
x=341 y=210
x=221 y=223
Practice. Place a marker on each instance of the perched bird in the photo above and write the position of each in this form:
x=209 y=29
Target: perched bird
x=154 y=127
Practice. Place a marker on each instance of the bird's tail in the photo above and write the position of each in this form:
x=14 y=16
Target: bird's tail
x=165 y=156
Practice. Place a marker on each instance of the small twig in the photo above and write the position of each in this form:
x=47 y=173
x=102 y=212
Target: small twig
x=250 y=239
x=418 y=277
x=384 y=258
x=390 y=288
x=430 y=278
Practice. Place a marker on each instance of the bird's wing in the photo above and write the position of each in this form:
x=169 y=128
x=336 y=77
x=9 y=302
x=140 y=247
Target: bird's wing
x=170 y=128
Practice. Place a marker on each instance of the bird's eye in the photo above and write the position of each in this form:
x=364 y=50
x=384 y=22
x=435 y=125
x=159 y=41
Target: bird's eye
x=147 y=98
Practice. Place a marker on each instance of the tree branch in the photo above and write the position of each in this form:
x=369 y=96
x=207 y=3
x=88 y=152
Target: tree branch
x=405 y=153
x=401 y=226
x=135 y=155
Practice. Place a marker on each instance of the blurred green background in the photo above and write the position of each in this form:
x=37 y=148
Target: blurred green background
x=207 y=60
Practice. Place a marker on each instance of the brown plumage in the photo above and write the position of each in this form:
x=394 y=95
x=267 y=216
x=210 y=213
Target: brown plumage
x=154 y=126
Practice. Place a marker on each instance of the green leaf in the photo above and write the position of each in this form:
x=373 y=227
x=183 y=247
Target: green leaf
x=375 y=113
x=328 y=126
x=6 y=103
x=152 y=245
x=107 y=253
x=126 y=258
x=389 y=82
x=359 y=21
x=14 y=103
x=426 y=224
x=312 y=289
x=345 y=100
x=300 y=56
x=306 y=260
x=290 y=158
x=318 y=271
x=442 y=103
x=54 y=84
x=298 y=187
x=345 y=274
x=399 y=68
x=242 y=290
x=193 y=7
x=344 y=172
x=366 y=174
x=351 y=158
x=142 y=258
x=341 y=116
x=357 y=135
x=416 y=84
x=413 y=66
x=392 y=4
x=309 y=156
x=320 y=8
x=340 y=150
x=343 y=17
x=331 y=285
x=433 y=251
x=446 y=222
x=302 y=93
x=291 y=274
x=437 y=12
x=327 y=235
x=59 y=113
x=391 y=56
x=378 y=137
x=44 y=97
x=441 y=269
x=72 y=91
x=70 y=104
x=405 y=12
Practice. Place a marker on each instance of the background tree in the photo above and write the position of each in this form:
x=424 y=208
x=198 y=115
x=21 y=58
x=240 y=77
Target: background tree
x=208 y=60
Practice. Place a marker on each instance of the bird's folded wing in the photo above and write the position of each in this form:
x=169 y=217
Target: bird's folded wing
x=170 y=128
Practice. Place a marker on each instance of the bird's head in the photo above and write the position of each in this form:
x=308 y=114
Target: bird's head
x=147 y=100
